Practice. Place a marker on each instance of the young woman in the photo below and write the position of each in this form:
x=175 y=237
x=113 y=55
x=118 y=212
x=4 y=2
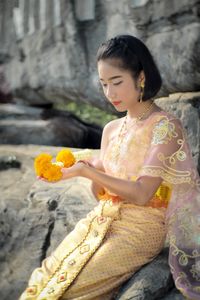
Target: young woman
x=146 y=183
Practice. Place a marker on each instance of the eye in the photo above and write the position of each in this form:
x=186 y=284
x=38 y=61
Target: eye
x=117 y=83
x=104 y=85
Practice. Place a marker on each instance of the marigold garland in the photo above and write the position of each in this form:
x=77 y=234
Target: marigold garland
x=51 y=171
x=66 y=157
x=42 y=163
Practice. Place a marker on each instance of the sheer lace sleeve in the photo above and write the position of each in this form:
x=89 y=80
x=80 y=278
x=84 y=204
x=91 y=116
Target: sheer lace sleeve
x=168 y=152
x=169 y=157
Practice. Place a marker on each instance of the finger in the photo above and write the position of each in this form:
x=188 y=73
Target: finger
x=65 y=170
x=42 y=179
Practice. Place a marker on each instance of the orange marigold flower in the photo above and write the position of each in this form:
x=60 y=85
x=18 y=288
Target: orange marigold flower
x=66 y=157
x=41 y=163
x=53 y=173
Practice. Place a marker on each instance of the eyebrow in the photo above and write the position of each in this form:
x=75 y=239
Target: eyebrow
x=111 y=78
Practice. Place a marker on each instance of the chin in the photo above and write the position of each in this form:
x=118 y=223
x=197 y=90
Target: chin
x=120 y=109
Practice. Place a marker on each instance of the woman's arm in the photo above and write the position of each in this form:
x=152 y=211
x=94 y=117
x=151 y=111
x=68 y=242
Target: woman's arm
x=95 y=187
x=139 y=192
x=97 y=163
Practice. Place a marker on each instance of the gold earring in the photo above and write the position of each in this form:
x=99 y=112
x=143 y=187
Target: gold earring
x=141 y=92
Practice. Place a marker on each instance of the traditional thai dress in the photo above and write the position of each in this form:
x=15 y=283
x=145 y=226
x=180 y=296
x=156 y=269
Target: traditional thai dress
x=118 y=237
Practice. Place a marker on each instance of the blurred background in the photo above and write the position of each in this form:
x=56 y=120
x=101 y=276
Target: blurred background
x=49 y=91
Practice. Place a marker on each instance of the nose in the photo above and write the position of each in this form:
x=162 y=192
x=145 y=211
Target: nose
x=110 y=93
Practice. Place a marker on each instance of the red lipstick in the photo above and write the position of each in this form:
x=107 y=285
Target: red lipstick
x=115 y=103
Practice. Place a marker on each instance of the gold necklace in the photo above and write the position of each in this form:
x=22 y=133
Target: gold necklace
x=139 y=118
x=124 y=130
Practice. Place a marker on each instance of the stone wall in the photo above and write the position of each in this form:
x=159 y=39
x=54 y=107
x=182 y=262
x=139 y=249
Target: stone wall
x=48 y=47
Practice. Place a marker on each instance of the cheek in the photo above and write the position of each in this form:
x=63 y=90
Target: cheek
x=131 y=88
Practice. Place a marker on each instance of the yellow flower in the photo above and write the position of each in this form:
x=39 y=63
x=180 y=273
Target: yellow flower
x=53 y=173
x=42 y=163
x=66 y=157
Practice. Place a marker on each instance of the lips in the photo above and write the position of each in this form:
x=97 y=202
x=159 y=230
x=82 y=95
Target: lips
x=116 y=103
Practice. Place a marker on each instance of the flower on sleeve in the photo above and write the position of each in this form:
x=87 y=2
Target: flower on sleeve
x=163 y=132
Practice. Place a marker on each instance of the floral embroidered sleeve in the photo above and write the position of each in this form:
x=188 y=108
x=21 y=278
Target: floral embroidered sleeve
x=169 y=157
x=168 y=152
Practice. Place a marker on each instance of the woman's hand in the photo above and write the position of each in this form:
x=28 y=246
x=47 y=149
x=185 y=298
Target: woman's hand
x=76 y=170
x=67 y=173
x=43 y=179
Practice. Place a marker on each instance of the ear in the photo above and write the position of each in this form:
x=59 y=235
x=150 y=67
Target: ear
x=142 y=77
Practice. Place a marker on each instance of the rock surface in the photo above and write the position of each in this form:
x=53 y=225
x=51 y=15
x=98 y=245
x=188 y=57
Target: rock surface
x=7 y=162
x=153 y=281
x=48 y=51
x=36 y=216
x=27 y=125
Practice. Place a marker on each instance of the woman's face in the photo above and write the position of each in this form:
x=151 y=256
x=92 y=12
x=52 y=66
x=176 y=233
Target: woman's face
x=118 y=85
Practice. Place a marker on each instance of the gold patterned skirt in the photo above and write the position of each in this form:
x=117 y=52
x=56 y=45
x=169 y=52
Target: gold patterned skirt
x=103 y=251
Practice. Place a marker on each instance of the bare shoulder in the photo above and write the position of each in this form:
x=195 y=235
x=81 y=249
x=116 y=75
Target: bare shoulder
x=110 y=130
x=113 y=126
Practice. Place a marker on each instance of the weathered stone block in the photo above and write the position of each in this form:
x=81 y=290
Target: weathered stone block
x=186 y=106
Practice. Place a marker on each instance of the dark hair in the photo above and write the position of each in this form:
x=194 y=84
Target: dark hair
x=134 y=56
